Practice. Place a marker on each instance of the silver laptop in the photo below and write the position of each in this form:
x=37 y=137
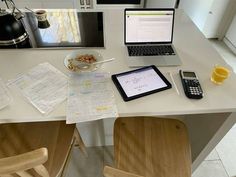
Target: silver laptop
x=148 y=37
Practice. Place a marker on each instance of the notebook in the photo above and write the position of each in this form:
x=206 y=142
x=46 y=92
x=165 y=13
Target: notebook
x=148 y=35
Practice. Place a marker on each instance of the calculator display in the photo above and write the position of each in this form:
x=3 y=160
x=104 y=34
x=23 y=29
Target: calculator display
x=189 y=74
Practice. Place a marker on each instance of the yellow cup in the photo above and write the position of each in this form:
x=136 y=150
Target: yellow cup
x=219 y=74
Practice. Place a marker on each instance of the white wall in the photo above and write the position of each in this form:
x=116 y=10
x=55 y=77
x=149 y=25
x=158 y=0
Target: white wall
x=197 y=10
x=227 y=19
x=230 y=38
x=209 y=15
x=216 y=18
x=231 y=33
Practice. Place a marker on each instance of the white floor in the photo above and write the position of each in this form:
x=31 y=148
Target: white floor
x=222 y=160
x=80 y=166
x=220 y=163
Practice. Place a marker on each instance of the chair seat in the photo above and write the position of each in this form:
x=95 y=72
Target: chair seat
x=152 y=147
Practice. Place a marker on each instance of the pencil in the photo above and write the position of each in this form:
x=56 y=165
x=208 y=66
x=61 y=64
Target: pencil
x=173 y=81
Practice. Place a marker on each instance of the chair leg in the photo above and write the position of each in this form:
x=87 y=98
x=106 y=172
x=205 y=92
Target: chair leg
x=64 y=169
x=79 y=142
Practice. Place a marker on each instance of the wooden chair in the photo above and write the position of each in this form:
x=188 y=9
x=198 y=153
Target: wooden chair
x=37 y=149
x=150 y=147
x=20 y=163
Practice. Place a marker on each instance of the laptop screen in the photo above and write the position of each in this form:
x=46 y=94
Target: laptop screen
x=149 y=26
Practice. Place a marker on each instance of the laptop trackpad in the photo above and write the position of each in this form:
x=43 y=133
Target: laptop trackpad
x=152 y=60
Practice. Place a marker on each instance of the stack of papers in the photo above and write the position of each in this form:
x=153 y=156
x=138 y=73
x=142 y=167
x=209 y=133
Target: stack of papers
x=44 y=86
x=90 y=97
x=5 y=98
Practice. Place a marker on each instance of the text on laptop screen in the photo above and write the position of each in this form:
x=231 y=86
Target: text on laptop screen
x=149 y=26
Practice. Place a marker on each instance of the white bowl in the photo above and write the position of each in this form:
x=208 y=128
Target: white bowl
x=76 y=66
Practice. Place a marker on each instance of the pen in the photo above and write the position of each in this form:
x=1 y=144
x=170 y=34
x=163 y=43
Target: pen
x=172 y=79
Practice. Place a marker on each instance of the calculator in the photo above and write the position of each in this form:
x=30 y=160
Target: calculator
x=191 y=85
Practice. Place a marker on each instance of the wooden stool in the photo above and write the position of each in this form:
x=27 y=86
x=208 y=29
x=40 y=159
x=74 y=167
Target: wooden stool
x=150 y=147
x=25 y=146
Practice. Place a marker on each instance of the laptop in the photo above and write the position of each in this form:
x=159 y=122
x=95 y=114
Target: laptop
x=148 y=35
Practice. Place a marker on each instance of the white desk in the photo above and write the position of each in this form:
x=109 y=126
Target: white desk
x=208 y=119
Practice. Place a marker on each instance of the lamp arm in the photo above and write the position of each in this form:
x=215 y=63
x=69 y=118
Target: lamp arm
x=11 y=5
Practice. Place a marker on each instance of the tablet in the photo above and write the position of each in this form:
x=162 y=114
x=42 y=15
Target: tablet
x=140 y=82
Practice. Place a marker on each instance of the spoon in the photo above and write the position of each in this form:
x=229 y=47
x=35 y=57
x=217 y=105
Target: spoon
x=103 y=61
x=87 y=65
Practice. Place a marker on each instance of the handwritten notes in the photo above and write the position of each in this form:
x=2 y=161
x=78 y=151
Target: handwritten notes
x=5 y=98
x=90 y=97
x=140 y=82
x=44 y=86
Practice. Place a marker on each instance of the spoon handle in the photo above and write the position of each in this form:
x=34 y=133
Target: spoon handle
x=103 y=61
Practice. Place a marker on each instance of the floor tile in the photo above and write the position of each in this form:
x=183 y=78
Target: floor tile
x=227 y=152
x=109 y=155
x=213 y=155
x=210 y=169
x=80 y=166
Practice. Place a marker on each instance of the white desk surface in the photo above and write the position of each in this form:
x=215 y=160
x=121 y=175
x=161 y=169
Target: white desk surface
x=194 y=50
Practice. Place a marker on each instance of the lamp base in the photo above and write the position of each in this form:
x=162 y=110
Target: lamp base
x=43 y=24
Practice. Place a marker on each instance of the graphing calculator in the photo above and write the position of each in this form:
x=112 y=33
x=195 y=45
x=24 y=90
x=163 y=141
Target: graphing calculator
x=191 y=85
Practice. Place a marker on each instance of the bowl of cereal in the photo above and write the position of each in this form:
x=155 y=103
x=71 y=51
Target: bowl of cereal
x=82 y=61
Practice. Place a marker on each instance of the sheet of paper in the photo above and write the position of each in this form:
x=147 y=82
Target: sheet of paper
x=90 y=97
x=5 y=98
x=44 y=86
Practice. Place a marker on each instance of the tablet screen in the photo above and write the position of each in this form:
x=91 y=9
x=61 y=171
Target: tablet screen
x=140 y=81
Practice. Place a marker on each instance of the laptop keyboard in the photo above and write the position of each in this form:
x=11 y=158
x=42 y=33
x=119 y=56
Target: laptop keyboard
x=150 y=50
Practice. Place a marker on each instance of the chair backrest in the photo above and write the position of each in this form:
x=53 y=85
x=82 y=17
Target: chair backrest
x=21 y=164
x=56 y=136
x=152 y=147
